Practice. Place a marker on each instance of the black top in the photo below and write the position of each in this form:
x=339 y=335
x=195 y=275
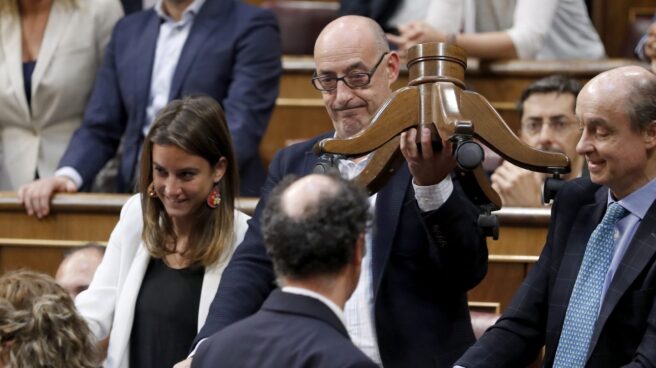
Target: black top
x=28 y=69
x=165 y=315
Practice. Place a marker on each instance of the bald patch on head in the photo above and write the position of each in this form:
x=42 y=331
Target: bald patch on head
x=629 y=89
x=361 y=32
x=302 y=197
x=76 y=271
x=619 y=82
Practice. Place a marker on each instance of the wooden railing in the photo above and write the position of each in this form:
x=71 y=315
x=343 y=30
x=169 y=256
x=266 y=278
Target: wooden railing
x=75 y=219
x=80 y=218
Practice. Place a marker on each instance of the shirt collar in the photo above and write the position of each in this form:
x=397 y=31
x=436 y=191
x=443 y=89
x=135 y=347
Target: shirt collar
x=312 y=294
x=191 y=11
x=639 y=201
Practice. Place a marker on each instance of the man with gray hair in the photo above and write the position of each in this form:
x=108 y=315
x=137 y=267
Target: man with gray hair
x=314 y=233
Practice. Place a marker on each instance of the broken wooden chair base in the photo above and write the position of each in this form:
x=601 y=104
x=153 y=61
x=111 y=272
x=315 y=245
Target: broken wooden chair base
x=436 y=98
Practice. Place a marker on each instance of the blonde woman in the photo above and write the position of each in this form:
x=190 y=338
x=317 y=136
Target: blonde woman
x=49 y=53
x=39 y=326
x=165 y=257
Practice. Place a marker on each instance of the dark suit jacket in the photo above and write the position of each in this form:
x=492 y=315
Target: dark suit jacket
x=232 y=54
x=625 y=333
x=289 y=331
x=131 y=6
x=422 y=266
x=379 y=10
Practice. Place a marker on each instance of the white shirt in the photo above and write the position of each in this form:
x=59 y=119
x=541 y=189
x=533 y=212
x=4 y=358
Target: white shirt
x=554 y=29
x=444 y=15
x=170 y=42
x=542 y=30
x=358 y=311
x=312 y=294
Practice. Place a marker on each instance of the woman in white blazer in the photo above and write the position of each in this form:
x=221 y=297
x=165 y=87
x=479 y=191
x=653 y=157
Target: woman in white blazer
x=49 y=53
x=165 y=257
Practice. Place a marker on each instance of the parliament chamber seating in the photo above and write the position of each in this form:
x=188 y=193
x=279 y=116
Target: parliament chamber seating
x=79 y=218
x=308 y=16
x=300 y=114
x=639 y=20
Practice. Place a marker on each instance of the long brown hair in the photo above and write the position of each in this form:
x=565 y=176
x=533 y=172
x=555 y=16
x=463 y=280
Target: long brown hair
x=196 y=125
x=39 y=325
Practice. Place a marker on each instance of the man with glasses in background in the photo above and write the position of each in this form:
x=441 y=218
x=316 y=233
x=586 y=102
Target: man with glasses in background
x=423 y=250
x=548 y=122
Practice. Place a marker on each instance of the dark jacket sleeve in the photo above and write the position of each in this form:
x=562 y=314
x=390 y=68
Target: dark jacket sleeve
x=254 y=85
x=458 y=247
x=97 y=139
x=517 y=337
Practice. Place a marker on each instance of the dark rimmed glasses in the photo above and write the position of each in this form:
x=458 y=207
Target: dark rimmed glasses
x=328 y=83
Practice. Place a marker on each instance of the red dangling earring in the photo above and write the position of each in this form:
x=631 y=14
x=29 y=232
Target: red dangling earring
x=214 y=198
x=151 y=190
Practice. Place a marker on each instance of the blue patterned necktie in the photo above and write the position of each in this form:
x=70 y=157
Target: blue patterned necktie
x=583 y=307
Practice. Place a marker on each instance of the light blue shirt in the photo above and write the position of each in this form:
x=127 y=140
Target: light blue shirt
x=637 y=203
x=170 y=41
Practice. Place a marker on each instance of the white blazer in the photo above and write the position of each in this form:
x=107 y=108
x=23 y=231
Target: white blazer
x=70 y=54
x=109 y=303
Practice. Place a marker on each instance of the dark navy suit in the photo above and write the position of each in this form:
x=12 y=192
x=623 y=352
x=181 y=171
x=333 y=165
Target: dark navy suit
x=232 y=54
x=290 y=331
x=625 y=333
x=131 y=6
x=379 y=10
x=422 y=266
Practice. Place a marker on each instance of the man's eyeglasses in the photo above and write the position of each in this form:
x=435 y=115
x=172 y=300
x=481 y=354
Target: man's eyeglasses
x=325 y=83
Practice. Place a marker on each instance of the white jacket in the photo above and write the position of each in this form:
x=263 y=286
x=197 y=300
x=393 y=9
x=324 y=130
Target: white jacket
x=109 y=303
x=71 y=53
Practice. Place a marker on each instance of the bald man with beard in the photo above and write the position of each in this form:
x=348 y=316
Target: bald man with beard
x=424 y=250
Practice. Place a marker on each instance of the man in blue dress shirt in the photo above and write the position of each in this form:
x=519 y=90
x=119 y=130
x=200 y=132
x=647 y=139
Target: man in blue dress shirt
x=222 y=48
x=556 y=306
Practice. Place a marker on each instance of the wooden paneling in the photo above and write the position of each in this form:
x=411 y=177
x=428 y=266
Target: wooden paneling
x=76 y=219
x=522 y=236
x=36 y=254
x=79 y=218
x=82 y=216
x=500 y=284
x=611 y=19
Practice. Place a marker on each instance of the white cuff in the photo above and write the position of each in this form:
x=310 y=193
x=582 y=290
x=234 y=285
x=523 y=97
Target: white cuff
x=72 y=174
x=432 y=197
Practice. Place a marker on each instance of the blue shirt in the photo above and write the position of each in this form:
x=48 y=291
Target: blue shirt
x=637 y=203
x=170 y=42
